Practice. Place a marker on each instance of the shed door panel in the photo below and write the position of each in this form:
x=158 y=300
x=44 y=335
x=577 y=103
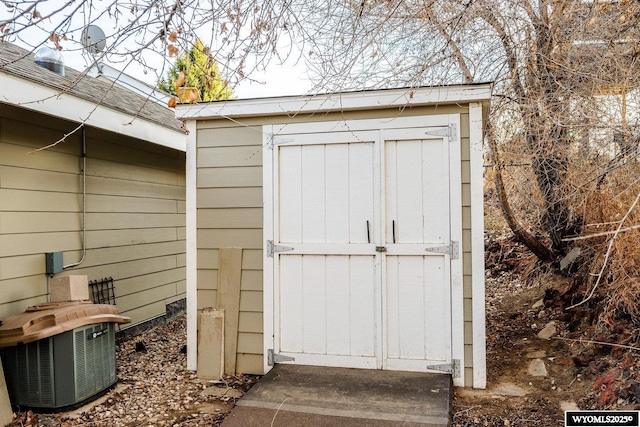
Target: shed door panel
x=326 y=192
x=327 y=305
x=418 y=320
x=355 y=216
x=417 y=311
x=417 y=191
x=327 y=292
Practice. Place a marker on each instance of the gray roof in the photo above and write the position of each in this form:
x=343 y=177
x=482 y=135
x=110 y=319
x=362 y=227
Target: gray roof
x=19 y=62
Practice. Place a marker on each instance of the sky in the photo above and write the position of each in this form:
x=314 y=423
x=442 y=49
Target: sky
x=279 y=80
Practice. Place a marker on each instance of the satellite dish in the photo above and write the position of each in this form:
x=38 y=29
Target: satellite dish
x=93 y=39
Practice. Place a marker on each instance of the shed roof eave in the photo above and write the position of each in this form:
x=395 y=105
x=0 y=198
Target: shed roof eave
x=344 y=101
x=33 y=96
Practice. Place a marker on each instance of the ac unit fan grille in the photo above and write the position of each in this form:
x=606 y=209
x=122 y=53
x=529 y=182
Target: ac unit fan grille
x=94 y=359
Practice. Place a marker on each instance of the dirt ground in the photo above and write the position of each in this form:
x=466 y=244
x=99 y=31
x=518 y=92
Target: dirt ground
x=514 y=397
x=589 y=365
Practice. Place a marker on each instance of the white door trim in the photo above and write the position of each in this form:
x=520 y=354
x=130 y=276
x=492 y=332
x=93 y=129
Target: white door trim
x=354 y=125
x=477 y=246
x=455 y=212
x=426 y=125
x=267 y=234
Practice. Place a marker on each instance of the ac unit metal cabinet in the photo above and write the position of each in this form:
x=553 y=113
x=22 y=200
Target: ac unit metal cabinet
x=61 y=370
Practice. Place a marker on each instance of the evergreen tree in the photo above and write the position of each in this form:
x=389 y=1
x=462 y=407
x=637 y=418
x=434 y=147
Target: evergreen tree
x=199 y=70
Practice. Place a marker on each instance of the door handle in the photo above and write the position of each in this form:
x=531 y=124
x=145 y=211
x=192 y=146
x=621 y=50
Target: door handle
x=393 y=230
x=368 y=233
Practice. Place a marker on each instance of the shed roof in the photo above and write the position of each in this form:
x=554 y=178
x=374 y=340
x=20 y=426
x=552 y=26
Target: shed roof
x=82 y=98
x=341 y=101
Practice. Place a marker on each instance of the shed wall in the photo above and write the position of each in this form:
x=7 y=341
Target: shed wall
x=229 y=214
x=135 y=217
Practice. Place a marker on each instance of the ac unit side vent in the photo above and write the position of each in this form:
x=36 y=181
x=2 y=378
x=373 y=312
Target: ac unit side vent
x=29 y=373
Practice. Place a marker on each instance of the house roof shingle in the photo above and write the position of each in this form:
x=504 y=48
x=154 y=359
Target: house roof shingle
x=19 y=62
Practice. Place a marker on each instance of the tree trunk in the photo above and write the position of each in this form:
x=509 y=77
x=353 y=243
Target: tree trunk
x=549 y=173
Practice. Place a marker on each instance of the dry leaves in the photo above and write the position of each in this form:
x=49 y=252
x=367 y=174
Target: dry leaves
x=180 y=80
x=173 y=51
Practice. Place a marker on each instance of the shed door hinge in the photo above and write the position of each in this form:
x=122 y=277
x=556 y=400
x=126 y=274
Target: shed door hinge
x=450 y=132
x=273 y=358
x=453 y=132
x=452 y=368
x=451 y=249
x=271 y=248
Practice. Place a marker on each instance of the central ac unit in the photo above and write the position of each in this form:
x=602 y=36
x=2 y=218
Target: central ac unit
x=62 y=370
x=59 y=355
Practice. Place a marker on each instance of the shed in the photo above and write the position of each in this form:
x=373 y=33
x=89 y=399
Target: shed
x=341 y=230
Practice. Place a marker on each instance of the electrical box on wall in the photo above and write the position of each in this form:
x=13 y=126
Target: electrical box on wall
x=54 y=262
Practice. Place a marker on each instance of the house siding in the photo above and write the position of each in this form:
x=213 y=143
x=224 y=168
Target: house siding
x=229 y=214
x=135 y=213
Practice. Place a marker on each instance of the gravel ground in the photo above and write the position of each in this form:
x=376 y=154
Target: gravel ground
x=154 y=389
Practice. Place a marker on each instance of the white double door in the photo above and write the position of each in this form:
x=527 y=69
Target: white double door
x=360 y=222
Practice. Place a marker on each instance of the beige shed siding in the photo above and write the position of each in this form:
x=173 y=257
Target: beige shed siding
x=229 y=214
x=135 y=214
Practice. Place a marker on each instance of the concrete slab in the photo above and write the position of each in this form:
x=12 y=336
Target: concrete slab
x=293 y=395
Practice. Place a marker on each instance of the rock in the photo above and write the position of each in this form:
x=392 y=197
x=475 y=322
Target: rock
x=537 y=368
x=548 y=331
x=536 y=354
x=538 y=303
x=569 y=405
x=569 y=258
x=509 y=389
